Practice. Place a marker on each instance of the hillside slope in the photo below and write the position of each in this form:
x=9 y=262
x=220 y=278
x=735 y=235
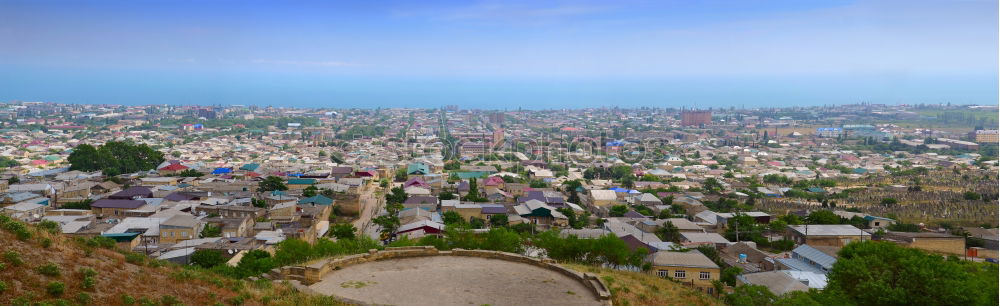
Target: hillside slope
x=32 y=268
x=634 y=288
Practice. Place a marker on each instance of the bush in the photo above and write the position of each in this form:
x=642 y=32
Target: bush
x=3 y=287
x=55 y=288
x=46 y=243
x=134 y=258
x=49 y=269
x=13 y=258
x=86 y=271
x=88 y=282
x=50 y=226
x=127 y=299
x=101 y=242
x=207 y=258
x=83 y=298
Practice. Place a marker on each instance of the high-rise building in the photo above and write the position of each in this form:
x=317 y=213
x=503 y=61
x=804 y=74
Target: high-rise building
x=695 y=118
x=496 y=118
x=987 y=136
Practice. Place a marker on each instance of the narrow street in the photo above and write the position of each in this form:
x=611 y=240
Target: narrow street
x=371 y=204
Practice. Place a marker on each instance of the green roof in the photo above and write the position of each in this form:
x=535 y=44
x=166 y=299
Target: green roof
x=122 y=237
x=302 y=181
x=471 y=174
x=417 y=168
x=250 y=167
x=319 y=199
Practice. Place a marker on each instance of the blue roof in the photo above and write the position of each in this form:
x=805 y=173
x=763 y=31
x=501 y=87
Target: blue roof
x=798 y=265
x=814 y=255
x=222 y=170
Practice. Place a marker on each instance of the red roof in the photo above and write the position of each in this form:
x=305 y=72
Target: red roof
x=174 y=167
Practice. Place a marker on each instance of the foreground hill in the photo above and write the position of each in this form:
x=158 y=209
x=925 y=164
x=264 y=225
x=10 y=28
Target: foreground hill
x=42 y=268
x=633 y=288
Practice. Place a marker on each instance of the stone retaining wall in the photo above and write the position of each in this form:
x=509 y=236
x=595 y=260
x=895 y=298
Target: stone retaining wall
x=303 y=276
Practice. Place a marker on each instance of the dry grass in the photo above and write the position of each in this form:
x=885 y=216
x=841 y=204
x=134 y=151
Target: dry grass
x=633 y=288
x=118 y=280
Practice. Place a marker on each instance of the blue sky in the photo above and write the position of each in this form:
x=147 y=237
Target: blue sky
x=499 y=54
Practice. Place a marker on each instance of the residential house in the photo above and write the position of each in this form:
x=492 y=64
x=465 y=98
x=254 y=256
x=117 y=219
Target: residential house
x=180 y=227
x=538 y=213
x=691 y=267
x=837 y=235
x=117 y=208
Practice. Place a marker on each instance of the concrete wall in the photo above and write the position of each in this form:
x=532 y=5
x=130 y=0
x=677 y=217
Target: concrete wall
x=314 y=272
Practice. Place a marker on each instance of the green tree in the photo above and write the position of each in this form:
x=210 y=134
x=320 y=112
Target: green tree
x=310 y=191
x=211 y=231
x=272 y=183
x=446 y=195
x=750 y=295
x=669 y=232
x=883 y=273
x=452 y=218
x=343 y=230
x=498 y=221
x=618 y=210
x=823 y=217
x=207 y=258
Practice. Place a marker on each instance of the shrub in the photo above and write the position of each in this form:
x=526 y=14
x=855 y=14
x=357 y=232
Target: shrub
x=13 y=258
x=169 y=300
x=127 y=299
x=88 y=282
x=83 y=298
x=86 y=271
x=49 y=269
x=46 y=243
x=134 y=258
x=50 y=226
x=101 y=242
x=55 y=288
x=3 y=287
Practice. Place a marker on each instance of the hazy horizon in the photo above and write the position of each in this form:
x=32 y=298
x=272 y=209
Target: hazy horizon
x=500 y=55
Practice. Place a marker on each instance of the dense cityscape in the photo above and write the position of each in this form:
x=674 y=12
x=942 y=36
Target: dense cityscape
x=743 y=206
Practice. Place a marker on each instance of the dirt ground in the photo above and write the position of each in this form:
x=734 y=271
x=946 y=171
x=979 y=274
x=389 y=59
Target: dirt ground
x=453 y=280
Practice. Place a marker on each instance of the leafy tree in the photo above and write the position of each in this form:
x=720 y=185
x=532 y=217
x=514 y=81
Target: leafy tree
x=115 y=157
x=211 y=231
x=729 y=275
x=971 y=196
x=190 y=173
x=473 y=195
x=396 y=196
x=258 y=203
x=207 y=258
x=343 y=231
x=669 y=232
x=255 y=262
x=272 y=183
x=310 y=191
x=7 y=162
x=477 y=223
x=336 y=158
x=823 y=217
x=13 y=180
x=618 y=210
x=445 y=195
x=750 y=295
x=85 y=204
x=452 y=217
x=883 y=273
x=498 y=221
